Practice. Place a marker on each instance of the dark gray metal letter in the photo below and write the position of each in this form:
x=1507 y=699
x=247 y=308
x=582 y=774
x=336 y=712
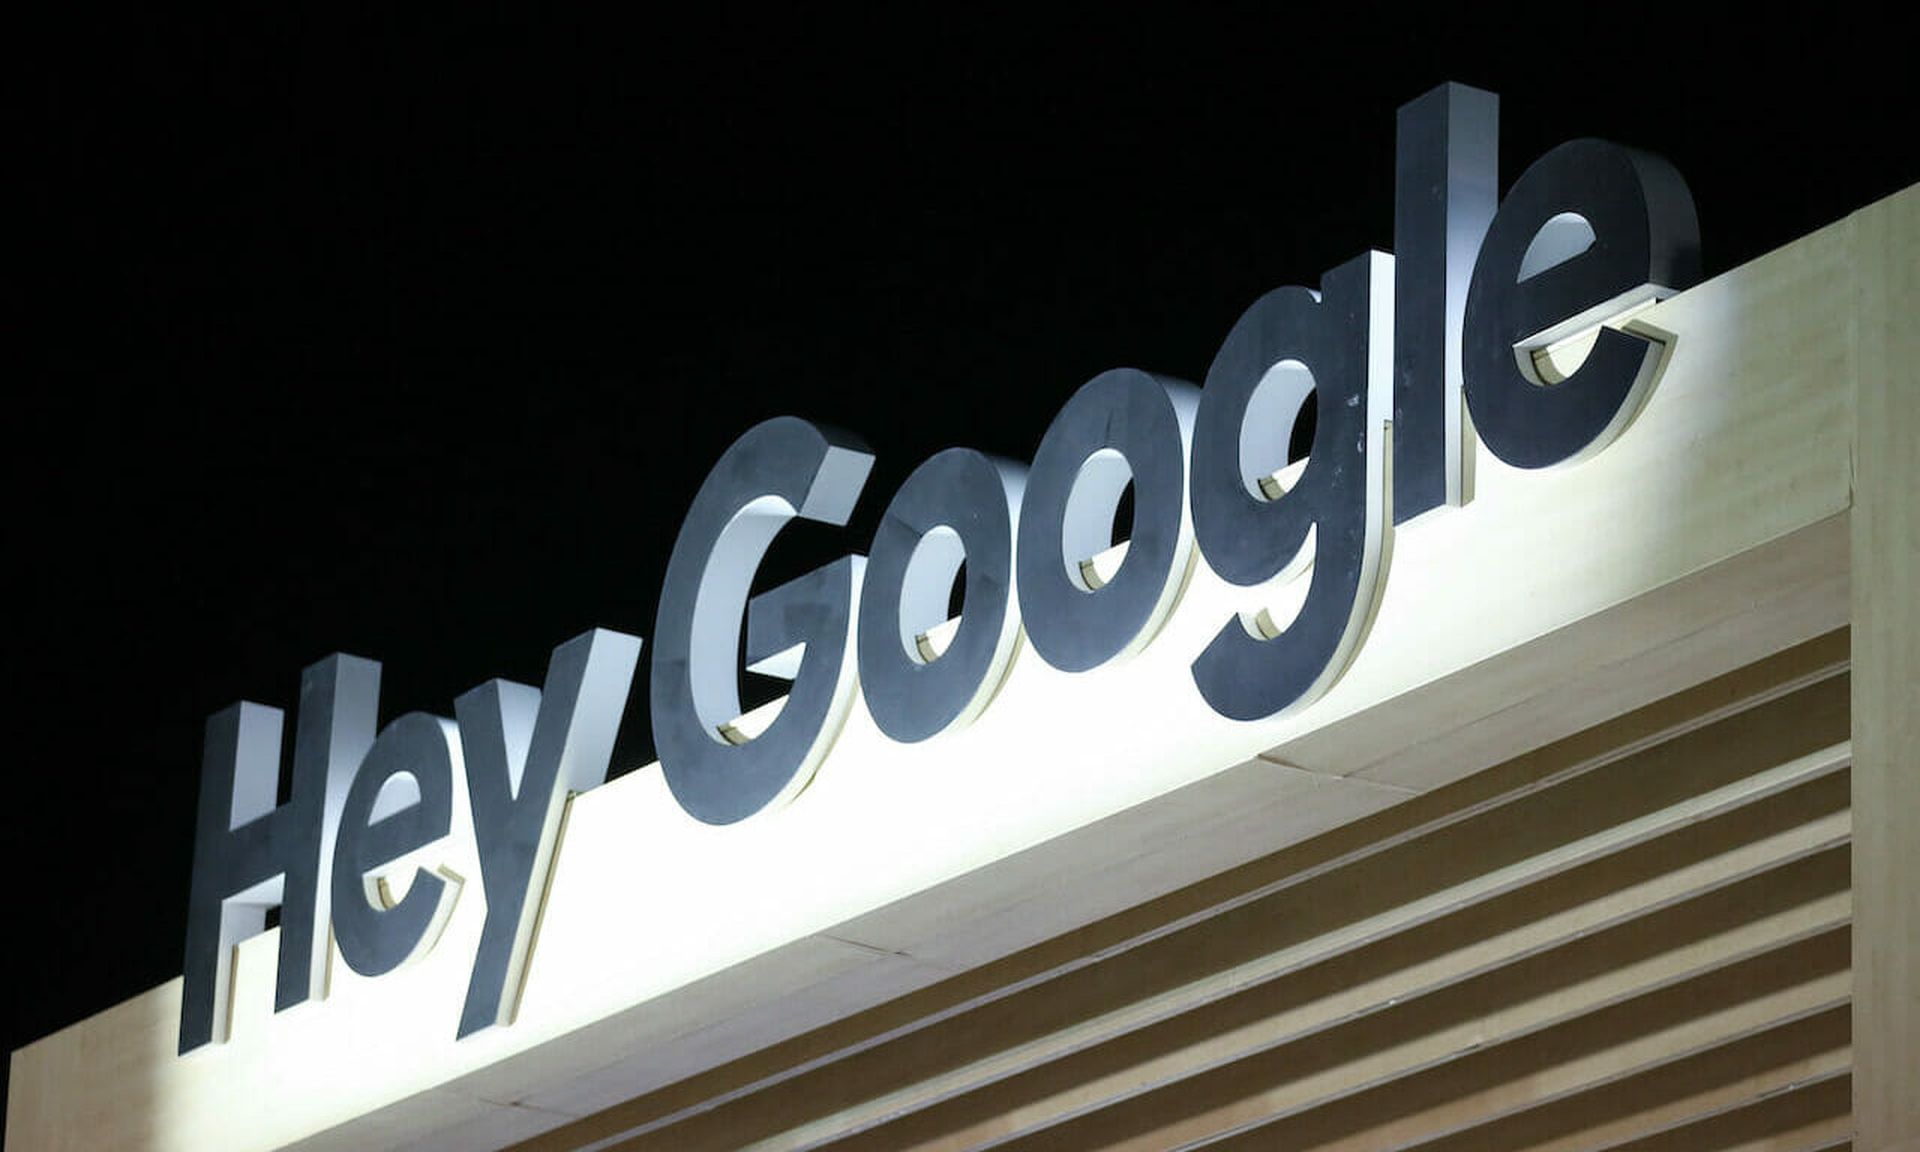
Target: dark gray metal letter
x=1252 y=529
x=778 y=469
x=1589 y=230
x=525 y=750
x=377 y=934
x=249 y=855
x=1122 y=425
x=961 y=503
x=1445 y=189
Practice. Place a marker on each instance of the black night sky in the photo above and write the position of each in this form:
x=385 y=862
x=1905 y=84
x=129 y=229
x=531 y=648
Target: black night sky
x=413 y=338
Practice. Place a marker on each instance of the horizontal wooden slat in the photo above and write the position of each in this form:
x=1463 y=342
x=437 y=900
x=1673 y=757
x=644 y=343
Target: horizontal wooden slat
x=1812 y=1118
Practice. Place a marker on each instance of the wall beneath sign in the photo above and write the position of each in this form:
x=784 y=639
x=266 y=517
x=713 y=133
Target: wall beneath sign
x=1639 y=931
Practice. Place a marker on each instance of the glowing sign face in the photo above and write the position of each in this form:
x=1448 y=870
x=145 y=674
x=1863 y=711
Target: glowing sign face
x=1391 y=357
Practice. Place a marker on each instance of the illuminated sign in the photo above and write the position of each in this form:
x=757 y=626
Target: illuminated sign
x=1399 y=359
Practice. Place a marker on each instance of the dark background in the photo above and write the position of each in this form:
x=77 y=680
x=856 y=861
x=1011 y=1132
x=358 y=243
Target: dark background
x=413 y=338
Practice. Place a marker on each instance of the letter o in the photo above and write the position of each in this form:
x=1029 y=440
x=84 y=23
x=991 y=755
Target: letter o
x=957 y=504
x=1122 y=424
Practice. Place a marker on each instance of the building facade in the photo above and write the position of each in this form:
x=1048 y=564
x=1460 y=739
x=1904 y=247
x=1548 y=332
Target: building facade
x=1599 y=841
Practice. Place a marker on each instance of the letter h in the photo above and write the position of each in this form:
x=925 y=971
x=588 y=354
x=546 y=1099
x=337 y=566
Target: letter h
x=250 y=855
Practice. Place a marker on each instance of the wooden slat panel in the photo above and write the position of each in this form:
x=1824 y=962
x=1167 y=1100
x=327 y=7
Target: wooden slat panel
x=1645 y=728
x=1407 y=1038
x=1078 y=1030
x=1297 y=926
x=1492 y=966
x=1441 y=953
